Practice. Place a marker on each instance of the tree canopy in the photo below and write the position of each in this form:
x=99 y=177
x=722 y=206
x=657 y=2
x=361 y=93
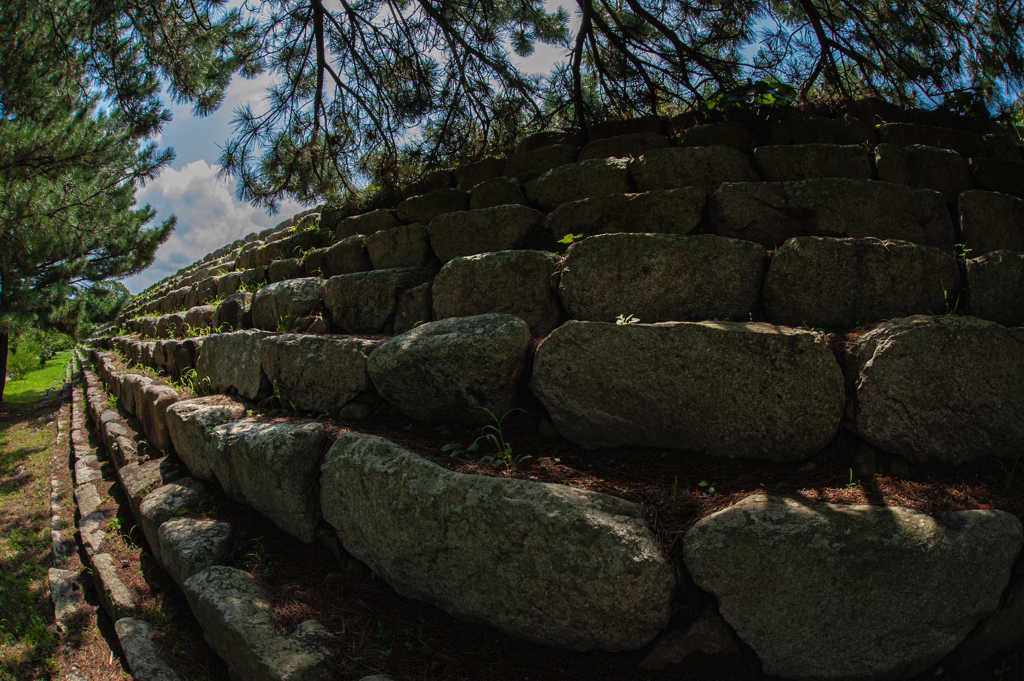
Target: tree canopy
x=356 y=80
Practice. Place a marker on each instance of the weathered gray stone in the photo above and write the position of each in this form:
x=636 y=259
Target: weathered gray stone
x=288 y=268
x=773 y=392
x=453 y=369
x=519 y=283
x=231 y=362
x=255 y=277
x=183 y=354
x=793 y=163
x=943 y=170
x=199 y=317
x=405 y=246
x=316 y=373
x=769 y=213
x=131 y=388
x=430 y=181
x=1002 y=146
x=673 y=211
x=662 y=277
x=632 y=145
x=138 y=481
x=345 y=257
x=91 y=529
x=842 y=283
x=990 y=221
x=581 y=180
x=998 y=175
x=285 y=301
x=703 y=167
x=234 y=312
x=268 y=466
x=165 y=503
x=366 y=302
x=996 y=283
x=414 y=307
x=152 y=412
x=87 y=499
x=898 y=589
x=427 y=207
x=549 y=138
x=501 y=228
x=66 y=592
x=946 y=389
x=236 y=618
x=472 y=174
x=365 y=224
x=707 y=643
x=228 y=284
x=190 y=422
x=115 y=597
x=189 y=546
x=143 y=658
x=206 y=290
x=501 y=191
x=652 y=124
x=1002 y=630
x=565 y=568
x=730 y=134
x=967 y=144
x=528 y=165
x=845 y=131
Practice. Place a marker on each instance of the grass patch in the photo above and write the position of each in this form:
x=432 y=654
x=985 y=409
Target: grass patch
x=27 y=644
x=32 y=388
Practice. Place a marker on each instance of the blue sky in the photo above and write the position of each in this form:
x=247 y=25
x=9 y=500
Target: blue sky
x=208 y=213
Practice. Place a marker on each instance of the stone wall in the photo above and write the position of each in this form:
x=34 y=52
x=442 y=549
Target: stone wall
x=786 y=282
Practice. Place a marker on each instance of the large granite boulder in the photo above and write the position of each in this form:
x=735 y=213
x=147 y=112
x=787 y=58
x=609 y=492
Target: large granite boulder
x=235 y=615
x=671 y=211
x=453 y=369
x=472 y=174
x=230 y=362
x=943 y=170
x=1002 y=630
x=997 y=175
x=164 y=503
x=719 y=388
x=967 y=144
x=702 y=167
x=941 y=389
x=366 y=224
x=405 y=246
x=582 y=180
x=366 y=302
x=842 y=283
x=520 y=283
x=842 y=131
x=190 y=422
x=316 y=373
x=662 y=277
x=277 y=306
x=990 y=221
x=768 y=213
x=345 y=257
x=234 y=312
x=501 y=228
x=500 y=191
x=632 y=145
x=425 y=208
x=797 y=162
x=188 y=546
x=152 y=412
x=996 y=282
x=551 y=564
x=830 y=591
x=529 y=164
x=268 y=467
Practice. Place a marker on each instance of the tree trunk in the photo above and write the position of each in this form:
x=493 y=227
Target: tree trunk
x=3 y=363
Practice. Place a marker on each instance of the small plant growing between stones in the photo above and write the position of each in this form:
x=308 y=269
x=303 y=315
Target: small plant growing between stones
x=960 y=251
x=622 y=319
x=494 y=435
x=709 y=487
x=1010 y=472
x=282 y=324
x=258 y=560
x=112 y=401
x=673 y=498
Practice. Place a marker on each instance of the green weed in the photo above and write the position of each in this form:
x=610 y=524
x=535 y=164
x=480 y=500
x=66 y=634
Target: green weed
x=494 y=435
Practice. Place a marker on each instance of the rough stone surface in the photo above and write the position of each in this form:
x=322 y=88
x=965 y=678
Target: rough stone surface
x=990 y=221
x=1002 y=146
x=501 y=191
x=548 y=138
x=142 y=655
x=940 y=389
x=768 y=213
x=703 y=167
x=231 y=362
x=662 y=277
x=66 y=593
x=472 y=174
x=528 y=165
x=501 y=228
x=367 y=302
x=797 y=162
x=673 y=211
x=414 y=307
x=897 y=588
x=427 y=207
x=581 y=180
x=131 y=386
x=844 y=131
x=998 y=175
x=996 y=282
x=405 y=246
x=288 y=268
x=965 y=143
x=707 y=643
x=139 y=480
x=228 y=284
x=115 y=597
x=519 y=283
x=190 y=423
x=774 y=392
x=943 y=170
x=236 y=619
x=842 y=283
x=453 y=369
x=268 y=466
x=632 y=145
x=234 y=312
x=189 y=546
x=285 y=301
x=164 y=503
x=367 y=223
x=152 y=412
x=316 y=373
x=1002 y=630
x=345 y=257
x=565 y=568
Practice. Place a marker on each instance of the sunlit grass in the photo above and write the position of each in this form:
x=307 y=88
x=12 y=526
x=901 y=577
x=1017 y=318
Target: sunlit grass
x=33 y=387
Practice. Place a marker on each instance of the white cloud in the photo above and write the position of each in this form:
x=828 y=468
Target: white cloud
x=209 y=216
